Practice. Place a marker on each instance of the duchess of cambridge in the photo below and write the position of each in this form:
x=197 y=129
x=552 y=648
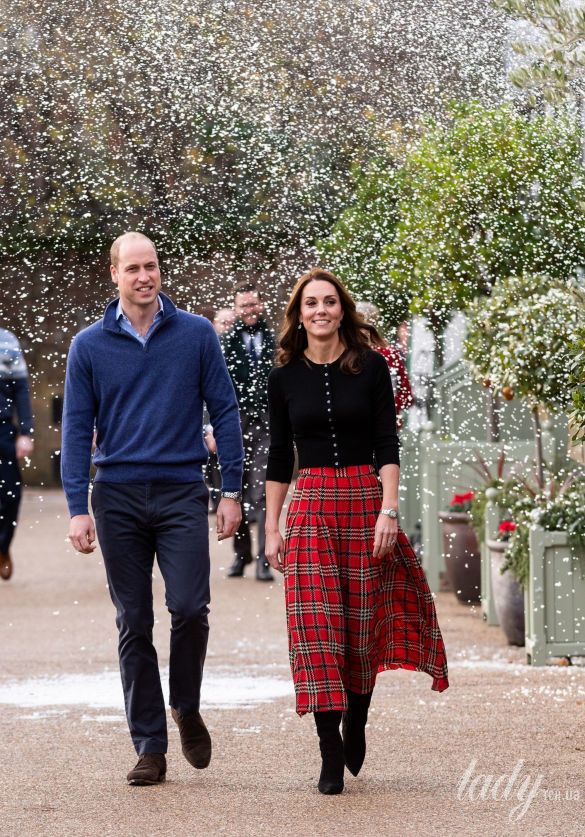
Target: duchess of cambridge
x=357 y=600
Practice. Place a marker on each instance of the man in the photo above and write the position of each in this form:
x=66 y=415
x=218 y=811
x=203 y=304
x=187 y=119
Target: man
x=141 y=375
x=249 y=350
x=224 y=320
x=15 y=442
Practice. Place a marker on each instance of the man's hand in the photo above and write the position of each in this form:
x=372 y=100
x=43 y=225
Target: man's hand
x=209 y=440
x=229 y=517
x=82 y=534
x=24 y=447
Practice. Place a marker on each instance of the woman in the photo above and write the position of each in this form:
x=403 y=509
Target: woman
x=357 y=600
x=400 y=383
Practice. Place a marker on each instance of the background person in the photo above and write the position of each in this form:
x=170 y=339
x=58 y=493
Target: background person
x=224 y=320
x=249 y=354
x=212 y=470
x=396 y=362
x=401 y=341
x=357 y=599
x=15 y=441
x=141 y=375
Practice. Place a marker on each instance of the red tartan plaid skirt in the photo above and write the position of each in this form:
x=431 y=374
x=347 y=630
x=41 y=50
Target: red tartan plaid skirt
x=351 y=615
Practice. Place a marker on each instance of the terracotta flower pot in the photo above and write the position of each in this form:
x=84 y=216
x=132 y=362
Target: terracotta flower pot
x=462 y=557
x=508 y=595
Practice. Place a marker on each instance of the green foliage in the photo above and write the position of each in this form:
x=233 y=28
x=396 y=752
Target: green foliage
x=577 y=373
x=557 y=506
x=518 y=338
x=225 y=130
x=352 y=249
x=478 y=509
x=490 y=194
x=516 y=557
x=557 y=59
x=491 y=477
x=577 y=368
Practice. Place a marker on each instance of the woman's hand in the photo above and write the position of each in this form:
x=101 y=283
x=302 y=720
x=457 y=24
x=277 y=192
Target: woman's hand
x=274 y=550
x=385 y=535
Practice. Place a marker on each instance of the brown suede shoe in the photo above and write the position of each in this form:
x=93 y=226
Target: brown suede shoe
x=150 y=770
x=5 y=566
x=195 y=739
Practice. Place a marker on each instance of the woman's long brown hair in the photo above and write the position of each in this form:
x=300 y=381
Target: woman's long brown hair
x=357 y=335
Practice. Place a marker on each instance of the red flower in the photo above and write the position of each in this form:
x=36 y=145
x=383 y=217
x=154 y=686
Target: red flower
x=459 y=499
x=507 y=526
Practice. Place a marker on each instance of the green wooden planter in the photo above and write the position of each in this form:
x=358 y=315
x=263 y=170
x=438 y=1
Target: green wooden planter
x=444 y=470
x=554 y=599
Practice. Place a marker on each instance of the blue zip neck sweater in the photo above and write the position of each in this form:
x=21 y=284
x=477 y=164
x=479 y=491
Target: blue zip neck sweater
x=146 y=403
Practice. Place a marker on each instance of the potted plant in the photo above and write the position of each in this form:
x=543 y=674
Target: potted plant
x=508 y=593
x=491 y=478
x=484 y=519
x=461 y=548
x=517 y=345
x=545 y=554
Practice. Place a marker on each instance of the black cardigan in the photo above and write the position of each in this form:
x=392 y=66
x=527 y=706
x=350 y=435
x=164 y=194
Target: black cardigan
x=333 y=418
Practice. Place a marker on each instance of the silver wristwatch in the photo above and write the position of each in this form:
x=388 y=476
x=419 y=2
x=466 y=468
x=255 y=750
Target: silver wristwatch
x=393 y=513
x=232 y=495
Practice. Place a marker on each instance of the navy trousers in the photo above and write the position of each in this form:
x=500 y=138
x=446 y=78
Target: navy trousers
x=134 y=523
x=10 y=486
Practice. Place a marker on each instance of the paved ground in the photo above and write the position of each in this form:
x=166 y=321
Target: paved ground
x=63 y=763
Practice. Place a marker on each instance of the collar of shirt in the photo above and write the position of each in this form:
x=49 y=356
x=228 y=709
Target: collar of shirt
x=255 y=338
x=127 y=326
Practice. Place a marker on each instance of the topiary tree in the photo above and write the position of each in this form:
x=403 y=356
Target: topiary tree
x=518 y=341
x=491 y=193
x=557 y=58
x=352 y=249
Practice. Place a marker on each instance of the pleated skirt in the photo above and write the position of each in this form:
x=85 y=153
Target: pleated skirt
x=351 y=615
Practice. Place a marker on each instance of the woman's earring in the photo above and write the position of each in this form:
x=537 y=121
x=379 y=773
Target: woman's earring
x=300 y=325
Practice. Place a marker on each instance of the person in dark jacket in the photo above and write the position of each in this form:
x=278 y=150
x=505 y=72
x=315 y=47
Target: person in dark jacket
x=15 y=440
x=249 y=351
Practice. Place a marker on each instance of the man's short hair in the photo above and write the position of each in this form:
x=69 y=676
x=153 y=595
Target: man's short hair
x=246 y=286
x=115 y=248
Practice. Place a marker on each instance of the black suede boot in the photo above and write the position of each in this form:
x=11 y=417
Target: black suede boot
x=331 y=746
x=354 y=730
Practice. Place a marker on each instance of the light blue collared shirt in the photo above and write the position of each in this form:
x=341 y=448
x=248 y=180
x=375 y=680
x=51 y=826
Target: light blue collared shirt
x=127 y=326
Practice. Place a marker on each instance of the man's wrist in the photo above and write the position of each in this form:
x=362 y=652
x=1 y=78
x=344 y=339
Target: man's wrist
x=232 y=495
x=75 y=511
